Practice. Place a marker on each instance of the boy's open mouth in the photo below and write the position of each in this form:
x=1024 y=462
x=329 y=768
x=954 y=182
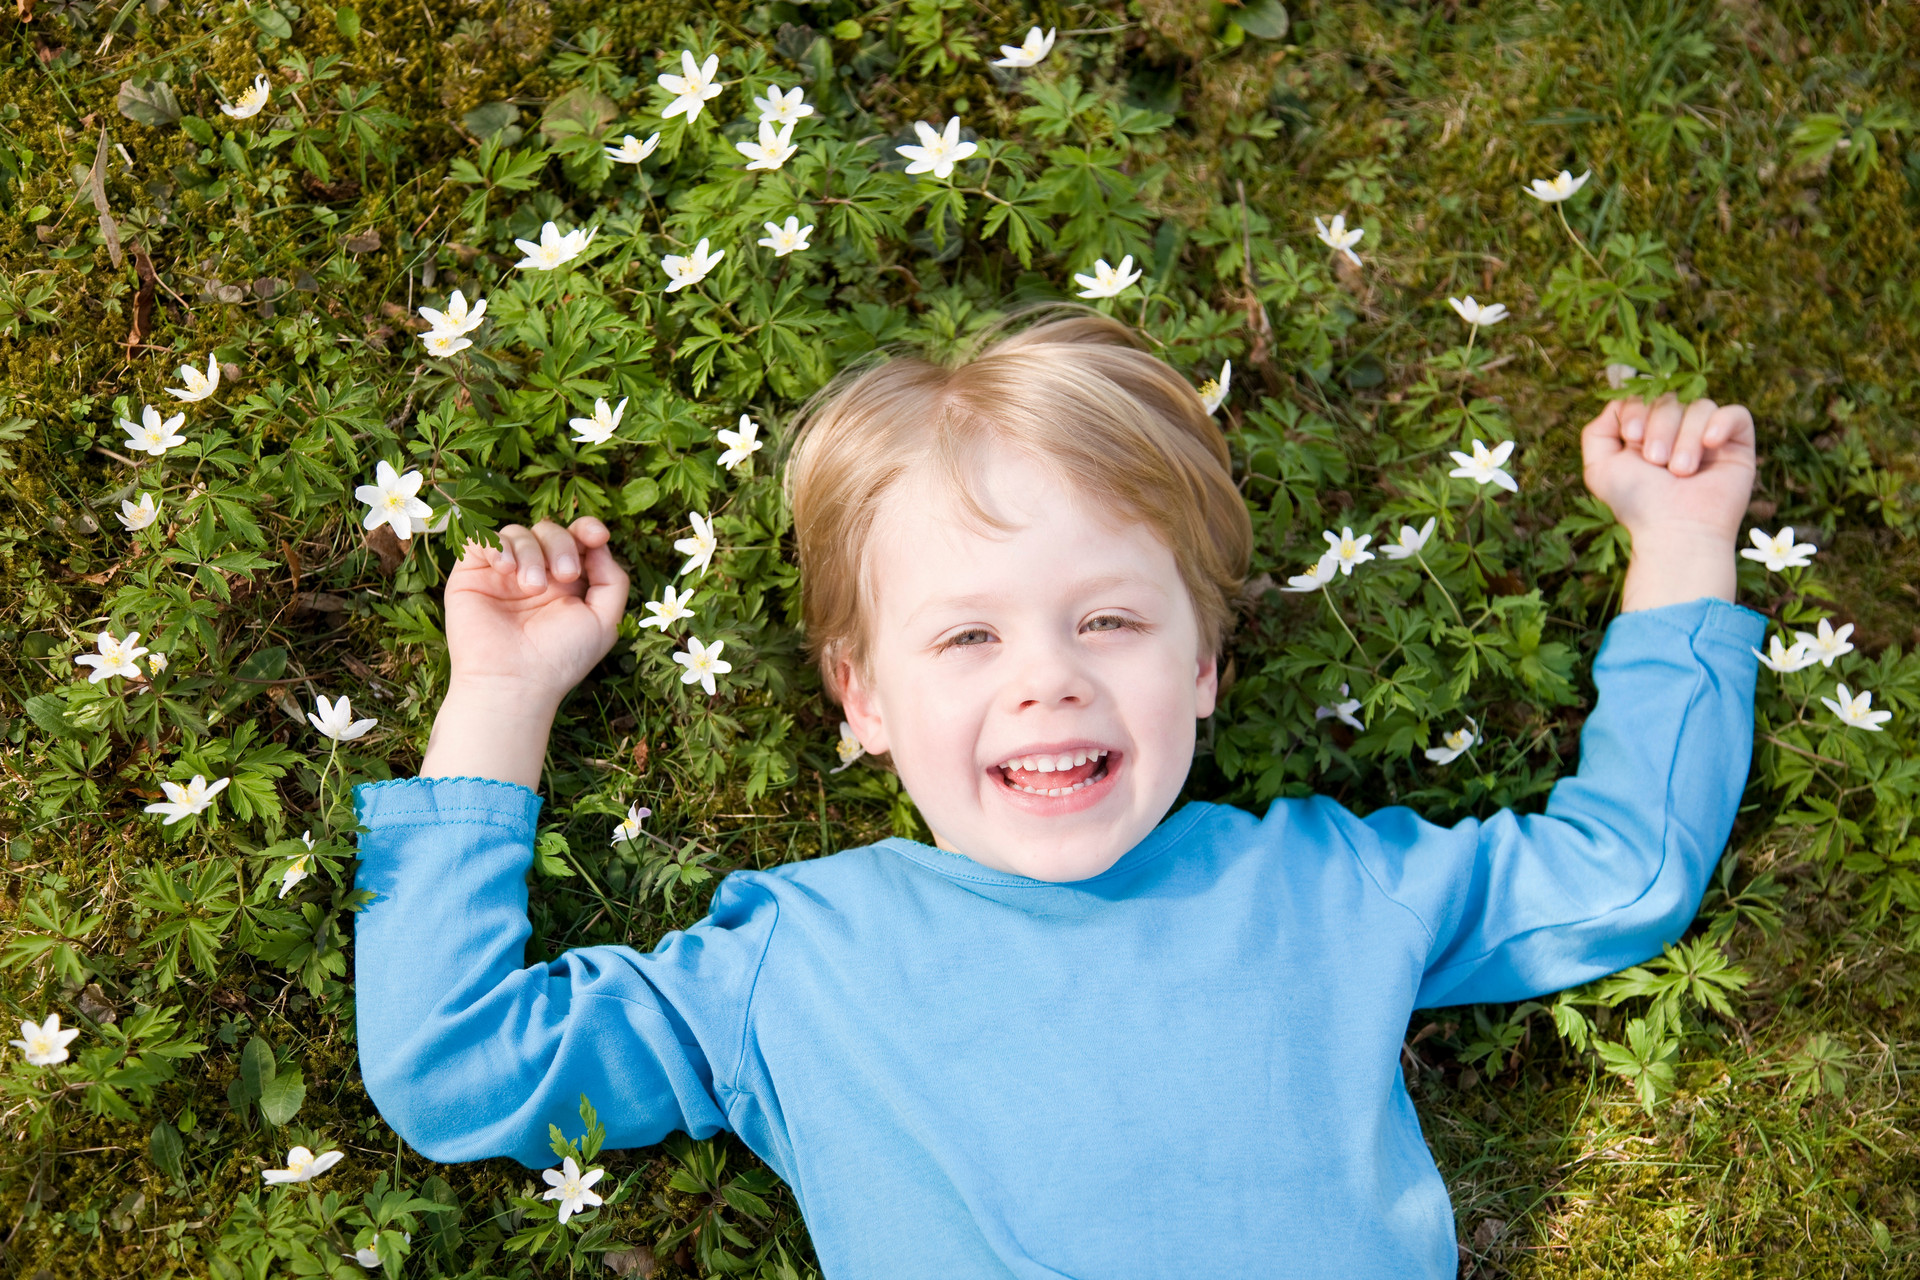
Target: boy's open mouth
x=1055 y=773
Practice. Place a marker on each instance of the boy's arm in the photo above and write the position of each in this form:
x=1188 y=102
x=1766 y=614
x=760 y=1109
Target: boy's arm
x=1616 y=866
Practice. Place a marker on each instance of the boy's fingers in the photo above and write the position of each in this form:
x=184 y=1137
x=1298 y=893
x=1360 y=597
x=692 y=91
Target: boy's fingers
x=589 y=532
x=475 y=555
x=1731 y=424
x=525 y=549
x=563 y=558
x=1688 y=445
x=1633 y=419
x=1663 y=424
x=606 y=586
x=1600 y=439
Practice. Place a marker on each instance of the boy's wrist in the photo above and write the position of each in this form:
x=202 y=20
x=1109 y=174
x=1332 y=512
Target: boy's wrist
x=1676 y=563
x=491 y=728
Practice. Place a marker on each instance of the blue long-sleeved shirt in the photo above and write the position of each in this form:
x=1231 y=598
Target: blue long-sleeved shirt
x=1188 y=1064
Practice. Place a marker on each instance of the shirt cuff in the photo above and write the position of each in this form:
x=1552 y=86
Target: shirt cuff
x=433 y=802
x=1708 y=620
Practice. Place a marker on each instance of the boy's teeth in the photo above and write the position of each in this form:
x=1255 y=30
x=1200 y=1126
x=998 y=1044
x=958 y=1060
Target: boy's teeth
x=1054 y=764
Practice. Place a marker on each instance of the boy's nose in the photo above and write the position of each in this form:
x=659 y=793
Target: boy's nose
x=1051 y=676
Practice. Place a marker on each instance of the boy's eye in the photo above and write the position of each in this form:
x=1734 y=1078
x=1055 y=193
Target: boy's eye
x=1107 y=622
x=973 y=636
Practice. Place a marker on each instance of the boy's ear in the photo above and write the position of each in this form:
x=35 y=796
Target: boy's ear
x=1206 y=686
x=861 y=707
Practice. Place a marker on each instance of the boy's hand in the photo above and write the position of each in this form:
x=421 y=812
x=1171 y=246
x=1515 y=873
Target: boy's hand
x=1678 y=477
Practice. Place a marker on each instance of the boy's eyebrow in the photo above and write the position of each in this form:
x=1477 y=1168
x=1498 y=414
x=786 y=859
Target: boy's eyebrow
x=981 y=599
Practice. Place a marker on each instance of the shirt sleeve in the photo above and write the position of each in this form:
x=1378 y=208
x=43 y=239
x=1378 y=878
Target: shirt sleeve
x=1517 y=906
x=469 y=1054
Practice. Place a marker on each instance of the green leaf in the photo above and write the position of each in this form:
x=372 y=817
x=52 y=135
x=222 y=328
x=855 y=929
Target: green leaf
x=1266 y=19
x=149 y=102
x=346 y=20
x=257 y=1068
x=281 y=1096
x=166 y=1149
x=271 y=21
x=197 y=129
x=549 y=855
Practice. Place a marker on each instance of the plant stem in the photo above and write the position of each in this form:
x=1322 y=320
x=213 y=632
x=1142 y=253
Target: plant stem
x=1561 y=209
x=1458 y=617
x=1325 y=595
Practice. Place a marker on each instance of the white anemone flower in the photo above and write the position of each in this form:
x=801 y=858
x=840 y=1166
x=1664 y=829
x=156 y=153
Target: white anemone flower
x=303 y=1166
x=629 y=829
x=1784 y=660
x=390 y=500
x=156 y=662
x=702 y=663
x=1453 y=745
x=184 y=802
x=1619 y=375
x=937 y=152
x=1106 y=281
x=555 y=249
x=153 y=436
x=336 y=721
x=115 y=657
x=136 y=516
x=198 y=385
x=1320 y=575
x=669 y=608
x=251 y=99
x=1213 y=392
x=791 y=238
x=1778 y=550
x=1553 y=191
x=44 y=1044
x=1484 y=465
x=694 y=89
x=773 y=149
x=299 y=868
x=741 y=444
x=1341 y=711
x=1029 y=52
x=572 y=1188
x=1478 y=314
x=442 y=346
x=1337 y=236
x=1347 y=551
x=782 y=108
x=1411 y=541
x=1825 y=644
x=599 y=428
x=848 y=748
x=700 y=547
x=691 y=268
x=631 y=150
x=457 y=318
x=1856 y=710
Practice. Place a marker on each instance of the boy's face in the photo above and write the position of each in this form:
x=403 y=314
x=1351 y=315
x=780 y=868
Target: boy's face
x=1038 y=686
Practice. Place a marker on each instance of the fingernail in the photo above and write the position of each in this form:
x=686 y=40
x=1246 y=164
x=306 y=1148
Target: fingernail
x=1683 y=462
x=564 y=566
x=532 y=576
x=1657 y=451
x=1633 y=428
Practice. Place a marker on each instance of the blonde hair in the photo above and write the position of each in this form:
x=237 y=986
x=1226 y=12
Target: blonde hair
x=1074 y=391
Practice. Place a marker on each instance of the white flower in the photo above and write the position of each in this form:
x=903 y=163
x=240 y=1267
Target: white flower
x=791 y=238
x=1106 y=281
x=1341 y=711
x=741 y=444
x=1485 y=465
x=1559 y=189
x=772 y=150
x=1825 y=644
x=1317 y=577
x=251 y=99
x=570 y=1187
x=1213 y=392
x=115 y=657
x=1619 y=375
x=1338 y=237
x=199 y=385
x=296 y=872
x=630 y=829
x=702 y=663
x=137 y=516
x=1411 y=541
x=46 y=1044
x=156 y=662
x=1855 y=710
x=554 y=249
x=1348 y=551
x=631 y=150
x=443 y=345
x=691 y=268
x=303 y=1166
x=1475 y=314
x=390 y=500
x=183 y=802
x=152 y=435
x=456 y=319
x=1031 y=51
x=336 y=721
x=693 y=90
x=848 y=747
x=1779 y=551
x=599 y=428
x=1783 y=660
x=669 y=608
x=700 y=547
x=777 y=108
x=1456 y=744
x=937 y=152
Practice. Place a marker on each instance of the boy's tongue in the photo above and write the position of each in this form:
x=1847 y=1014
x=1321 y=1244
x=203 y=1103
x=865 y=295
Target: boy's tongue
x=1058 y=778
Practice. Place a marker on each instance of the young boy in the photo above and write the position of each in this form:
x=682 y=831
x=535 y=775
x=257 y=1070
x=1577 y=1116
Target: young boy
x=1069 y=1038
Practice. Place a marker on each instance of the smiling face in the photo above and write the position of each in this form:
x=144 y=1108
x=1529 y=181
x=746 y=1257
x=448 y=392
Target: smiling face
x=1037 y=685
